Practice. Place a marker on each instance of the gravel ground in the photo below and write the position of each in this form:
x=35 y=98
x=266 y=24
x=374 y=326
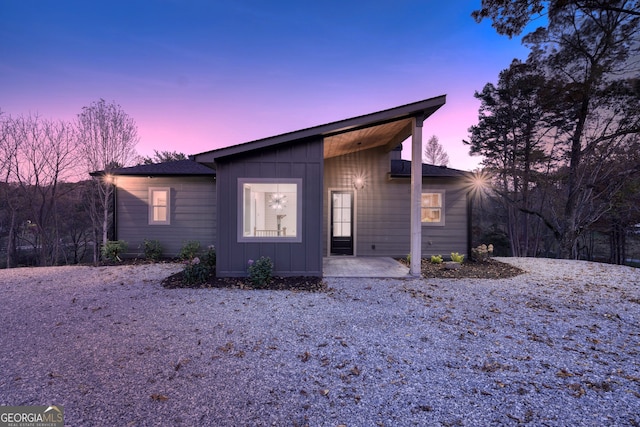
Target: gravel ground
x=558 y=346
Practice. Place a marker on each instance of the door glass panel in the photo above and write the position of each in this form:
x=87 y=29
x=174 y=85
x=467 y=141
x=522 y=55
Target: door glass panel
x=341 y=215
x=346 y=201
x=346 y=229
x=341 y=223
x=337 y=215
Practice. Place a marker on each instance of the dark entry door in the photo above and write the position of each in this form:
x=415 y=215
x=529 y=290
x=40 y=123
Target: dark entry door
x=342 y=223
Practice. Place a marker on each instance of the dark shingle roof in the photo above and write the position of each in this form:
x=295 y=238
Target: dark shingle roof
x=422 y=109
x=402 y=168
x=174 y=168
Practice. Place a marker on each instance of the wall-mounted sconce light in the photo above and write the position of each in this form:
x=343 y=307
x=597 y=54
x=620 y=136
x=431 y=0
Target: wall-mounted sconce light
x=358 y=182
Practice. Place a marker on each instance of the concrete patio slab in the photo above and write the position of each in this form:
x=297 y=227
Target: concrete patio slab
x=363 y=267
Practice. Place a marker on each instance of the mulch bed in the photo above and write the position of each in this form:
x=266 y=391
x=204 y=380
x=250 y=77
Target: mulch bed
x=490 y=269
x=296 y=283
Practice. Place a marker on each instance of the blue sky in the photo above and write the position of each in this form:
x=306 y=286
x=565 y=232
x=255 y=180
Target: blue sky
x=198 y=75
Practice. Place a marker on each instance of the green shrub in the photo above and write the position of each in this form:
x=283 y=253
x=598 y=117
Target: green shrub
x=152 y=249
x=209 y=258
x=195 y=271
x=260 y=271
x=112 y=249
x=436 y=259
x=189 y=250
x=456 y=257
x=409 y=258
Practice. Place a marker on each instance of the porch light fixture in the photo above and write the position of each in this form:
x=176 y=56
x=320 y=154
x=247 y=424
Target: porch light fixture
x=358 y=182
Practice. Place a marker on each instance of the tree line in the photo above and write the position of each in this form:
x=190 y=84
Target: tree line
x=559 y=132
x=50 y=212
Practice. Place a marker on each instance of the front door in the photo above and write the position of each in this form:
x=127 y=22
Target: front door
x=342 y=222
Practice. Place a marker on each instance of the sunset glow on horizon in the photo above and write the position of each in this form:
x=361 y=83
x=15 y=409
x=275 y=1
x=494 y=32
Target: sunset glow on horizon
x=201 y=75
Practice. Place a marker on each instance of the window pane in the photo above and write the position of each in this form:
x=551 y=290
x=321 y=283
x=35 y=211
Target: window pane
x=159 y=205
x=431 y=200
x=346 y=200
x=430 y=215
x=159 y=213
x=159 y=198
x=269 y=209
x=337 y=214
x=431 y=207
x=346 y=229
x=337 y=229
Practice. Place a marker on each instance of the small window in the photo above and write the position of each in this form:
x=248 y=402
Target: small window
x=269 y=209
x=432 y=208
x=159 y=206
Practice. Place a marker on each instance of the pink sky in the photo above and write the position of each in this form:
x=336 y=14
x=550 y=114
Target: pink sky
x=198 y=75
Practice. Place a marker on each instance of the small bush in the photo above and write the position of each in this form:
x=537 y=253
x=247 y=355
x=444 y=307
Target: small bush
x=195 y=271
x=152 y=249
x=209 y=258
x=436 y=259
x=112 y=249
x=260 y=271
x=189 y=250
x=482 y=253
x=456 y=257
x=409 y=258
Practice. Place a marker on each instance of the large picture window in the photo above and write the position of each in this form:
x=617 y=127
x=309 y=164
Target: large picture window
x=432 y=208
x=159 y=206
x=270 y=209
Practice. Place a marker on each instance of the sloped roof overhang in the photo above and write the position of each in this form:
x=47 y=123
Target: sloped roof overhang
x=171 y=168
x=386 y=128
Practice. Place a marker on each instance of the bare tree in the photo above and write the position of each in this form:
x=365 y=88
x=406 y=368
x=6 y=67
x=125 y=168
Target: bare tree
x=77 y=226
x=7 y=208
x=108 y=137
x=434 y=153
x=44 y=155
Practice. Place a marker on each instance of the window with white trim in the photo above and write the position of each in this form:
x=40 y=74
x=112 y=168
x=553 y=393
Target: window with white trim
x=270 y=209
x=159 y=206
x=432 y=207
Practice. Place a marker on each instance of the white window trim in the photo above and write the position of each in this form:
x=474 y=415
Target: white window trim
x=440 y=223
x=150 y=205
x=240 y=212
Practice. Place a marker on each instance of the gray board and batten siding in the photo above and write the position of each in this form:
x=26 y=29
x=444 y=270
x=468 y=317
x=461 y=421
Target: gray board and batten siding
x=381 y=225
x=192 y=205
x=302 y=160
x=192 y=212
x=361 y=146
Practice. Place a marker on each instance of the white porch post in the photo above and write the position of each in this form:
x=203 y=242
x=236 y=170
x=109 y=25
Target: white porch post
x=416 y=196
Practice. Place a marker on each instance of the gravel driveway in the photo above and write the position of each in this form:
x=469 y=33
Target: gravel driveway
x=558 y=346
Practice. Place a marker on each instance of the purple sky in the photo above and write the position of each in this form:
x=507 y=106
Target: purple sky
x=202 y=74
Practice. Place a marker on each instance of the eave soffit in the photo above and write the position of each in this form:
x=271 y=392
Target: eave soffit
x=386 y=128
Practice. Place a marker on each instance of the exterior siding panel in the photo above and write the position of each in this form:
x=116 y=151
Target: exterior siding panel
x=192 y=213
x=382 y=221
x=301 y=159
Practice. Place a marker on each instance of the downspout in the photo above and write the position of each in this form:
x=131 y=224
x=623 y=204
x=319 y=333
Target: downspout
x=114 y=228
